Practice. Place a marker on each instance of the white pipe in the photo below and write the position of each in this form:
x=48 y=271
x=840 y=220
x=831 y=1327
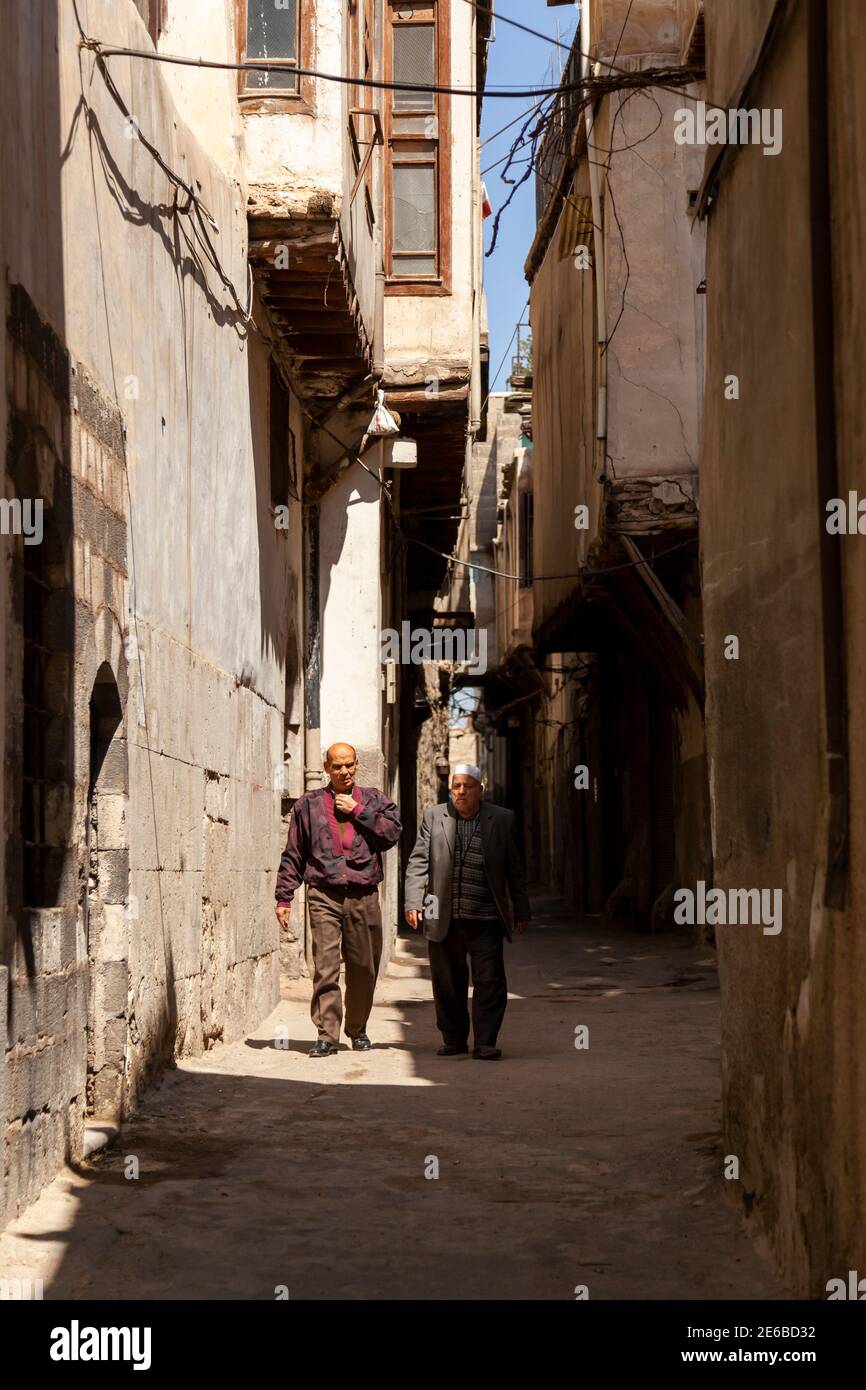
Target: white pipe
x=598 y=247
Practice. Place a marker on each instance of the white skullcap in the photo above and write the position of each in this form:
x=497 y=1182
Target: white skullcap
x=466 y=770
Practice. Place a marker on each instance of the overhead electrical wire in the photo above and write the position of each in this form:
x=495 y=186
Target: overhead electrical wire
x=106 y=51
x=248 y=319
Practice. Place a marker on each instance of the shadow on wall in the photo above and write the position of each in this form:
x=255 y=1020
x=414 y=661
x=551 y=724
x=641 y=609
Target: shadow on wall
x=42 y=871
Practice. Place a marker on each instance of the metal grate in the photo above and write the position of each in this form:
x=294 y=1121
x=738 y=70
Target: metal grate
x=414 y=61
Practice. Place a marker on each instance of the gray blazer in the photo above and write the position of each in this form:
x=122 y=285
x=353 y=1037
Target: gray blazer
x=430 y=863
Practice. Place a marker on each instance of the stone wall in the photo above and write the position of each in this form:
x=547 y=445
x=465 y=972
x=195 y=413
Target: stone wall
x=139 y=920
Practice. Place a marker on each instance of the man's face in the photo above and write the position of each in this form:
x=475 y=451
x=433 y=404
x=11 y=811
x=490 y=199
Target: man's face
x=466 y=794
x=341 y=765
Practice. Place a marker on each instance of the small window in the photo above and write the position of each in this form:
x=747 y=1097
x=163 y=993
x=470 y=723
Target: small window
x=272 y=35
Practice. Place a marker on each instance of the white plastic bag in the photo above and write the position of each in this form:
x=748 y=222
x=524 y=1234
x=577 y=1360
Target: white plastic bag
x=383 y=421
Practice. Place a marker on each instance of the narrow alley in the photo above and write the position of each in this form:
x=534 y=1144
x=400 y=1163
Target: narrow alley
x=557 y=1168
x=433 y=633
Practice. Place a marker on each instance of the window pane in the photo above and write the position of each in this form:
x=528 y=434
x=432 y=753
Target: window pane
x=414 y=208
x=415 y=265
x=428 y=126
x=414 y=61
x=272 y=32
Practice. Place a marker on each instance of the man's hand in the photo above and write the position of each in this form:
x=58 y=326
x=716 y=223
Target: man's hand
x=284 y=912
x=413 y=918
x=345 y=803
x=522 y=927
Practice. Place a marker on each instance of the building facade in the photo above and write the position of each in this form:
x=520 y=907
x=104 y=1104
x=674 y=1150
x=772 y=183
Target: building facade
x=783 y=566
x=213 y=275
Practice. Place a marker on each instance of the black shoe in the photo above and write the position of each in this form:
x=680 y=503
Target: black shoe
x=361 y=1043
x=324 y=1048
x=487 y=1054
x=446 y=1050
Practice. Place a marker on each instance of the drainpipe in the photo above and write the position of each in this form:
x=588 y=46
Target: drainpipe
x=379 y=308
x=823 y=355
x=312 y=674
x=598 y=246
x=477 y=261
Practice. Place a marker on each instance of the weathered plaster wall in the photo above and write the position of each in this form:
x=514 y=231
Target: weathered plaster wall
x=298 y=156
x=194 y=609
x=351 y=584
x=563 y=414
x=792 y=1023
x=654 y=363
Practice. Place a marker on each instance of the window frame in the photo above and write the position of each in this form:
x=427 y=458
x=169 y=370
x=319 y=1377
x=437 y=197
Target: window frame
x=365 y=125
x=411 y=144
x=270 y=102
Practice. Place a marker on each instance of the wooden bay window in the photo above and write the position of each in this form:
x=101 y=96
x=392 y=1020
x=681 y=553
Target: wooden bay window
x=418 y=153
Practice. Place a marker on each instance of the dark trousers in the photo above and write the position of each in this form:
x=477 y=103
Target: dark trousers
x=482 y=943
x=347 y=922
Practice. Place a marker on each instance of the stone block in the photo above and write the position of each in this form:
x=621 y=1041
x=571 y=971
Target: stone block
x=177 y=797
x=215 y=788
x=23 y=1012
x=114 y=944
x=108 y=1093
x=114 y=978
x=38 y=946
x=112 y=832
x=113 y=875
x=51 y=1016
x=114 y=1041
x=74 y=1063
x=4 y=1088
x=114 y=773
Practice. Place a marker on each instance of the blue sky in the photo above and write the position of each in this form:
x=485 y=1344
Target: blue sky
x=516 y=59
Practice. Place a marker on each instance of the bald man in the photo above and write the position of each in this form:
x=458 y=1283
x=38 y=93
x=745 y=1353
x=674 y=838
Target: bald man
x=337 y=837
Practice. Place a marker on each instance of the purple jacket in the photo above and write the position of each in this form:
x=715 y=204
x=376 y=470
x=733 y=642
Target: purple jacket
x=314 y=853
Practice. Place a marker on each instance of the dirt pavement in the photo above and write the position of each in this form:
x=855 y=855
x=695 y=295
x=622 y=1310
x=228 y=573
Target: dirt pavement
x=558 y=1167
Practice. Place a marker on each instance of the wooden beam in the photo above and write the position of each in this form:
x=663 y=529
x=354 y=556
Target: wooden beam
x=671 y=609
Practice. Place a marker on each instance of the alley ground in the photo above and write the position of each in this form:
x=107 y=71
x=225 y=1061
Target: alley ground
x=558 y=1167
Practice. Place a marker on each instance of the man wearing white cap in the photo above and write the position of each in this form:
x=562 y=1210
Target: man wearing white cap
x=465 y=885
